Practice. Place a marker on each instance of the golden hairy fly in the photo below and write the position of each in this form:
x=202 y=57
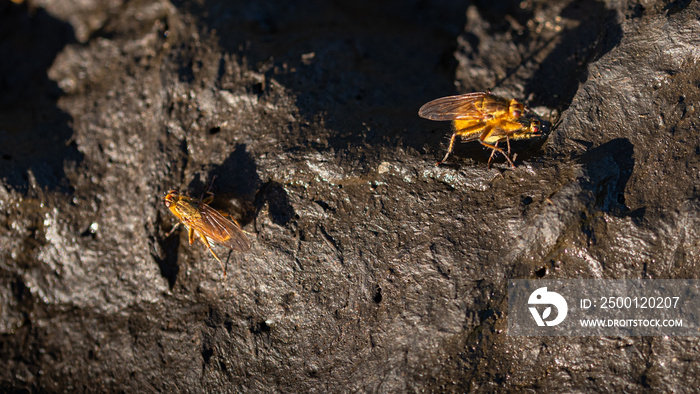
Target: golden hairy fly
x=484 y=117
x=206 y=222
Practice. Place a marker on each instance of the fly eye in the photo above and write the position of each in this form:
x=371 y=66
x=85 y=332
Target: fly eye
x=517 y=113
x=167 y=203
x=535 y=126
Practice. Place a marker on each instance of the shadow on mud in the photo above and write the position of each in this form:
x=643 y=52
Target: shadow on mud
x=35 y=135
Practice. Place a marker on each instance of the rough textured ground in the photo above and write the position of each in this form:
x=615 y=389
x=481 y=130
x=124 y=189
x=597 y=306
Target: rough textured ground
x=371 y=268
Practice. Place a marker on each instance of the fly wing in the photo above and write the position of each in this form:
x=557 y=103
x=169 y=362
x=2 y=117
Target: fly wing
x=477 y=106
x=222 y=230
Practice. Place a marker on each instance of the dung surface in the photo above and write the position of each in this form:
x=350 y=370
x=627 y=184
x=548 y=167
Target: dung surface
x=371 y=268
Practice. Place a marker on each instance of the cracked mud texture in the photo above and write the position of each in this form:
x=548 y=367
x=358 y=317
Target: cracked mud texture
x=371 y=268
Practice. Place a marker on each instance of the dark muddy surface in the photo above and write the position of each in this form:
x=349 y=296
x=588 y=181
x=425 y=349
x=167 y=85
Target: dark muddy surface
x=371 y=268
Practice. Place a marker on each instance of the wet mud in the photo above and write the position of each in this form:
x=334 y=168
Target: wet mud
x=371 y=268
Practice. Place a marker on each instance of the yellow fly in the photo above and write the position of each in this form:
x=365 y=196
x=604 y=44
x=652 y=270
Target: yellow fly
x=483 y=116
x=207 y=222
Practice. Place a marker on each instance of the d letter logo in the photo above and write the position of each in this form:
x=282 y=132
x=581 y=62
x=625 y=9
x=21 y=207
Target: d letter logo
x=543 y=297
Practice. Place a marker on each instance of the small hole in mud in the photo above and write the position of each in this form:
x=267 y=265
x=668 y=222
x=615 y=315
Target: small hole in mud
x=207 y=352
x=621 y=199
x=541 y=272
x=377 y=295
x=260 y=328
x=259 y=88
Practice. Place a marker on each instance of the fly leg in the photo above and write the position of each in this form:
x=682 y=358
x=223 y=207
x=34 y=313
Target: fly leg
x=466 y=133
x=494 y=147
x=508 y=142
x=172 y=230
x=208 y=193
x=499 y=150
x=493 y=152
x=190 y=235
x=449 y=149
x=203 y=238
x=229 y=217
